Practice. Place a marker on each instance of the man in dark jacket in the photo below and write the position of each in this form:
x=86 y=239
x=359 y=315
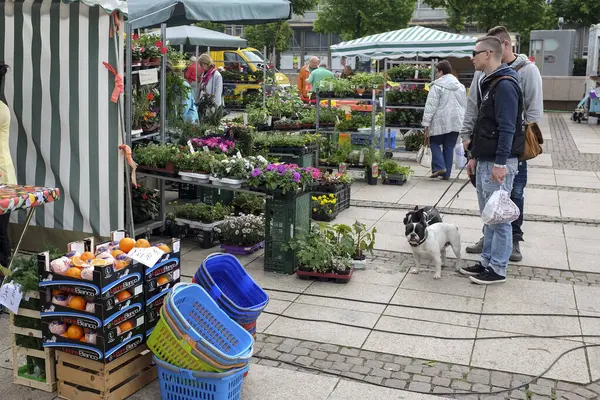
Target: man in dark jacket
x=498 y=140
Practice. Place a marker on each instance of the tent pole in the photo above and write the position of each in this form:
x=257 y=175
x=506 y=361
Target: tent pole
x=163 y=119
x=126 y=125
x=265 y=78
x=382 y=133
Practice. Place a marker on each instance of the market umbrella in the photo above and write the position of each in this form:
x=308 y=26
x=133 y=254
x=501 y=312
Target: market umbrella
x=195 y=36
x=149 y=13
x=416 y=41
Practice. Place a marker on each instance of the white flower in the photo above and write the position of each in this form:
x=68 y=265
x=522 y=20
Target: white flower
x=237 y=232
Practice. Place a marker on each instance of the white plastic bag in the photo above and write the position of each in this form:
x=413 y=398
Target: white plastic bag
x=424 y=156
x=500 y=209
x=459 y=156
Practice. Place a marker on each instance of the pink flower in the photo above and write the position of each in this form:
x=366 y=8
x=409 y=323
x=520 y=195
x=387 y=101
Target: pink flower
x=164 y=50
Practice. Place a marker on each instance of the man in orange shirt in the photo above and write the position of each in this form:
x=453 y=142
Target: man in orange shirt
x=303 y=76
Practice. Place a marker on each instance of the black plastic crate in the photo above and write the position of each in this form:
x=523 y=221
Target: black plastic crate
x=286 y=217
x=189 y=192
x=341 y=192
x=306 y=160
x=213 y=196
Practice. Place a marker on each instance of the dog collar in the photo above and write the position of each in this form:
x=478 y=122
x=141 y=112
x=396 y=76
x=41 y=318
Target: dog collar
x=420 y=242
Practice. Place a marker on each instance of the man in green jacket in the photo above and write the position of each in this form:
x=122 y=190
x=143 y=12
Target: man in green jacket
x=318 y=75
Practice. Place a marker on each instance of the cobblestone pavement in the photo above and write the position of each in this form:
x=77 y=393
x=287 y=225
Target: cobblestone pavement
x=564 y=151
x=410 y=373
x=405 y=261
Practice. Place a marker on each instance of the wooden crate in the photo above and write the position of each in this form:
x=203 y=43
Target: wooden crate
x=79 y=378
x=46 y=354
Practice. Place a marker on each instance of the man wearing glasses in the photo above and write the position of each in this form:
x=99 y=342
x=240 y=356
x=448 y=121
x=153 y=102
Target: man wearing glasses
x=530 y=81
x=497 y=141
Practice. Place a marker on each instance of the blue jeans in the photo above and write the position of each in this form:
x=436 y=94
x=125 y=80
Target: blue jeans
x=442 y=159
x=497 y=238
x=518 y=197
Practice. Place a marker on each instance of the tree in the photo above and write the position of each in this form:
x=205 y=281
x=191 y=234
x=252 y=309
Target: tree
x=275 y=35
x=213 y=26
x=458 y=11
x=583 y=12
x=353 y=19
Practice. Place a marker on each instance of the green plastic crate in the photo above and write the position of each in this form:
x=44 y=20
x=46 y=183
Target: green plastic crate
x=214 y=195
x=286 y=217
x=306 y=160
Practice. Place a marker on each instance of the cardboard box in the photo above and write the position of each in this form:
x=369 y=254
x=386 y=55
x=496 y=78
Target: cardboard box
x=153 y=306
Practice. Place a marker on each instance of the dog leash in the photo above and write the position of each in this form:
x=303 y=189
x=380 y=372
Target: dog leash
x=449 y=186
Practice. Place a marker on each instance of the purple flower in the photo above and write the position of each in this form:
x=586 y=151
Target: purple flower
x=270 y=167
x=281 y=168
x=255 y=172
x=296 y=177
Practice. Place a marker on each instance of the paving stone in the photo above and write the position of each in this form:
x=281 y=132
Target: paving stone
x=285 y=348
x=481 y=388
x=421 y=378
x=369 y=355
x=460 y=368
x=310 y=345
x=452 y=374
x=322 y=364
x=269 y=363
x=373 y=364
x=352 y=375
x=540 y=397
x=290 y=367
x=336 y=358
x=585 y=393
x=386 y=358
x=374 y=379
x=442 y=389
x=300 y=351
x=331 y=348
x=539 y=389
x=402 y=360
x=346 y=351
x=319 y=355
x=292 y=342
x=413 y=369
x=270 y=346
x=478 y=378
x=572 y=396
x=392 y=367
x=441 y=381
x=431 y=371
x=420 y=387
x=401 y=376
x=341 y=366
x=594 y=387
x=395 y=383
x=303 y=360
x=518 y=394
x=274 y=339
x=460 y=385
x=266 y=353
x=361 y=370
x=381 y=372
x=260 y=337
x=355 y=360
x=569 y=387
x=289 y=358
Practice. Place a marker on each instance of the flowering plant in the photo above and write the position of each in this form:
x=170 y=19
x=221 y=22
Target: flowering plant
x=284 y=177
x=335 y=179
x=145 y=203
x=150 y=119
x=202 y=212
x=237 y=167
x=214 y=143
x=324 y=204
x=244 y=230
x=199 y=162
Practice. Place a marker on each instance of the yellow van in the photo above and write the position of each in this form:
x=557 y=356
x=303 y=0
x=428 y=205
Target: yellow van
x=249 y=61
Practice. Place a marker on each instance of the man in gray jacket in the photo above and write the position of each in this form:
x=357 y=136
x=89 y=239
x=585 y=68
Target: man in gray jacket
x=530 y=81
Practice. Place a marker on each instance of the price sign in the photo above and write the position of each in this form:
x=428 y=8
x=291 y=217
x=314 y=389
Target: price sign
x=146 y=256
x=189 y=143
x=148 y=76
x=205 y=149
x=10 y=296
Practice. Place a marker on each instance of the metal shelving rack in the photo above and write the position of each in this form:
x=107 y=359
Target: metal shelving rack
x=386 y=108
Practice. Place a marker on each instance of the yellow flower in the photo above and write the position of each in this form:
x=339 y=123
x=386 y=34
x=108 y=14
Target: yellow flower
x=322 y=203
x=330 y=211
x=331 y=195
x=314 y=198
x=334 y=201
x=314 y=210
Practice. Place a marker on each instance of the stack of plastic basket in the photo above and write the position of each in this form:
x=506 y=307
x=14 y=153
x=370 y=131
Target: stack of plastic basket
x=200 y=352
x=230 y=286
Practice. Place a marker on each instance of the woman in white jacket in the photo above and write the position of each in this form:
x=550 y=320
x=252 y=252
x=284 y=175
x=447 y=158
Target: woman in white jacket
x=443 y=118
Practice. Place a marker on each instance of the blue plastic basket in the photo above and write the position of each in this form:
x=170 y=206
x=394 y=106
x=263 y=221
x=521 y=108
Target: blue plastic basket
x=207 y=326
x=183 y=384
x=228 y=283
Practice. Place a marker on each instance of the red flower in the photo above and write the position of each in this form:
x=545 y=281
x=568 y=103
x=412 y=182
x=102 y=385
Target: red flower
x=164 y=50
x=135 y=36
x=158 y=43
x=144 y=196
x=150 y=96
x=142 y=49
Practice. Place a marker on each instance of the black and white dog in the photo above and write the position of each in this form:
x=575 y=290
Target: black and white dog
x=431 y=241
x=431 y=215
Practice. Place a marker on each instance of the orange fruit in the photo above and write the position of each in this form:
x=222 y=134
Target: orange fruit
x=82 y=339
x=77 y=302
x=87 y=256
x=162 y=280
x=125 y=326
x=78 y=262
x=74 y=332
x=122 y=296
x=56 y=292
x=99 y=262
x=126 y=244
x=116 y=253
x=164 y=248
x=121 y=264
x=142 y=243
x=74 y=272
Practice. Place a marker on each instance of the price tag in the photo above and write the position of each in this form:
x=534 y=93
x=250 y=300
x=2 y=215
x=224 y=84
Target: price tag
x=176 y=246
x=148 y=76
x=189 y=143
x=205 y=149
x=10 y=296
x=245 y=119
x=146 y=256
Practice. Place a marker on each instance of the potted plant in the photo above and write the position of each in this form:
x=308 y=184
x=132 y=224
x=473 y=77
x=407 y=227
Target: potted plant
x=283 y=178
x=394 y=174
x=414 y=141
x=215 y=144
x=371 y=157
x=355 y=241
x=247 y=203
x=145 y=203
x=150 y=122
x=157 y=158
x=235 y=171
x=200 y=215
x=195 y=166
x=324 y=207
x=243 y=234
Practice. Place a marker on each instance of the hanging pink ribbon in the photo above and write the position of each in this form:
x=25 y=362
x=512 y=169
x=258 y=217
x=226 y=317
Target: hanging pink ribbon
x=119 y=87
x=115 y=26
x=128 y=157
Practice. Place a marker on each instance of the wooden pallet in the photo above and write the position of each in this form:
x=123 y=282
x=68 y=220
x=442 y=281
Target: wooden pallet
x=46 y=354
x=82 y=379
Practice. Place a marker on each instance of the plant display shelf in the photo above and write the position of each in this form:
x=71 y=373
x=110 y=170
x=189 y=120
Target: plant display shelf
x=46 y=354
x=82 y=379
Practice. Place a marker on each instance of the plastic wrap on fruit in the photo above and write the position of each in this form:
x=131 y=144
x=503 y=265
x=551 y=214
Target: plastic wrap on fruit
x=90 y=337
x=57 y=327
x=106 y=256
x=60 y=300
x=72 y=254
x=60 y=265
x=70 y=298
x=90 y=307
x=87 y=273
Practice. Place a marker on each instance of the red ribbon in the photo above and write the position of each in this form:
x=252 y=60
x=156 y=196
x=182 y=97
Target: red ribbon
x=119 y=87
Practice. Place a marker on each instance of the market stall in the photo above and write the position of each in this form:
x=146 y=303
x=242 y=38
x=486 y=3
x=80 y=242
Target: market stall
x=64 y=128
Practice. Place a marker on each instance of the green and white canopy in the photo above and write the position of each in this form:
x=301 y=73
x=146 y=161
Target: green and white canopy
x=416 y=41
x=196 y=36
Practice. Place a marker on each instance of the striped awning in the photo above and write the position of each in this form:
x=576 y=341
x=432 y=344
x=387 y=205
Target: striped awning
x=108 y=5
x=410 y=42
x=64 y=130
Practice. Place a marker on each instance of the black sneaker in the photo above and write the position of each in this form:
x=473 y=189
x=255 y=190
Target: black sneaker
x=488 y=277
x=477 y=248
x=476 y=269
x=516 y=255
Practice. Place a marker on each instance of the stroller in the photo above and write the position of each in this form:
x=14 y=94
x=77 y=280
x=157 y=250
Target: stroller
x=581 y=111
